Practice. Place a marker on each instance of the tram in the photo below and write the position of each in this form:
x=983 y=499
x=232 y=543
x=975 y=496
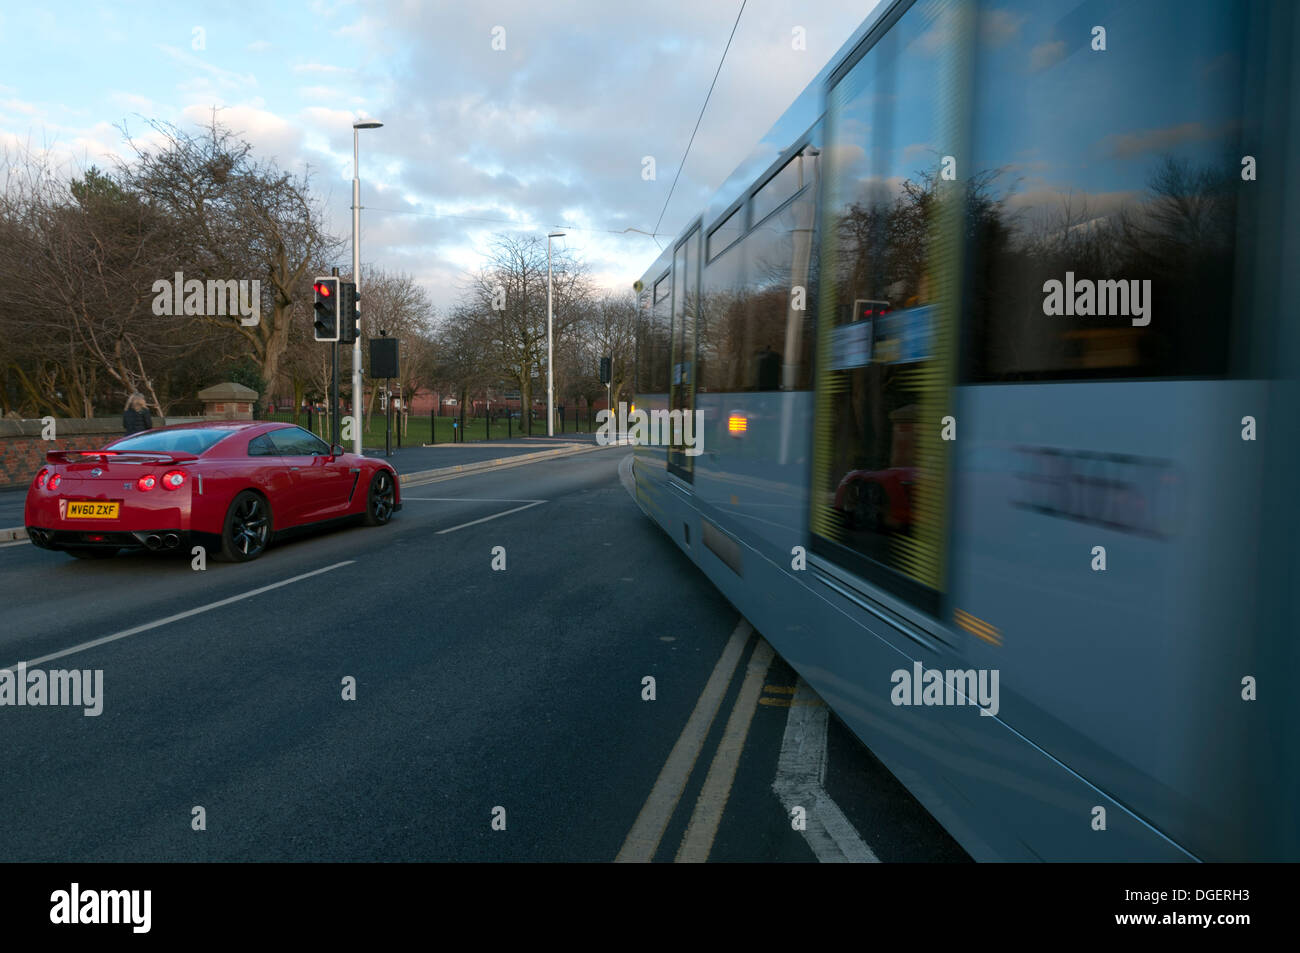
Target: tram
x=994 y=340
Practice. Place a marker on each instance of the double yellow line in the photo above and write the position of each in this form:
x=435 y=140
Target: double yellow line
x=643 y=840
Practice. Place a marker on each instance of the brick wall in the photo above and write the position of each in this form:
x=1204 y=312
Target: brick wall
x=22 y=451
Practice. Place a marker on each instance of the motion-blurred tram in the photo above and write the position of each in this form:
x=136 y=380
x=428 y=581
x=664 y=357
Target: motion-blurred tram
x=995 y=338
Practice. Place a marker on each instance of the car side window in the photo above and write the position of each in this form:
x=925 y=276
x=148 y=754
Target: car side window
x=261 y=446
x=296 y=442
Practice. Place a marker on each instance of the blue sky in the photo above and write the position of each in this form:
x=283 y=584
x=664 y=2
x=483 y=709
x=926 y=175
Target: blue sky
x=550 y=131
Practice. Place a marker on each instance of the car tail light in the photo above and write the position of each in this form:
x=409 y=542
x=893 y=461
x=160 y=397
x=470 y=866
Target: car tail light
x=40 y=477
x=147 y=482
x=173 y=479
x=54 y=481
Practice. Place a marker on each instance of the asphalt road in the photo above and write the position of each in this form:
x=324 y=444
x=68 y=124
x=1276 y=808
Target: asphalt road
x=476 y=690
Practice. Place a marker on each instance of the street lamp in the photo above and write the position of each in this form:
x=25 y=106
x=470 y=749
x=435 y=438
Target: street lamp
x=356 y=275
x=550 y=343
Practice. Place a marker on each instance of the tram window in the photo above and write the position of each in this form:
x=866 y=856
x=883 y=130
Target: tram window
x=653 y=339
x=722 y=330
x=776 y=190
x=725 y=234
x=879 y=484
x=753 y=334
x=777 y=258
x=1113 y=174
x=663 y=287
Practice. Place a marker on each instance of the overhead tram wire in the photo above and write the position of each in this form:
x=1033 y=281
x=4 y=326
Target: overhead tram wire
x=700 y=118
x=654 y=233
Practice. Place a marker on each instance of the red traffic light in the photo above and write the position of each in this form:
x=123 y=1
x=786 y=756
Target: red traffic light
x=322 y=289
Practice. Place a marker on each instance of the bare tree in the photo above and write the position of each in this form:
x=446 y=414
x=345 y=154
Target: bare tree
x=506 y=305
x=240 y=218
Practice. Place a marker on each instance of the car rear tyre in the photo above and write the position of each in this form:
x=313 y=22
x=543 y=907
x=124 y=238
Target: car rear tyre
x=89 y=552
x=380 y=498
x=247 y=529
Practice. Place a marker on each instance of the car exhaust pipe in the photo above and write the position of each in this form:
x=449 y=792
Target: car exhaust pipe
x=170 y=541
x=153 y=541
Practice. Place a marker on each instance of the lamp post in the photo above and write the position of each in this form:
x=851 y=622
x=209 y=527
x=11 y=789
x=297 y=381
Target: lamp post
x=356 y=274
x=550 y=343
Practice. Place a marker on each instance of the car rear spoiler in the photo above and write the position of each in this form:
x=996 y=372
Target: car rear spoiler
x=118 y=456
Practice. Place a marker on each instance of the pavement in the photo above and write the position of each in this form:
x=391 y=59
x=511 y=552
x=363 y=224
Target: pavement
x=465 y=683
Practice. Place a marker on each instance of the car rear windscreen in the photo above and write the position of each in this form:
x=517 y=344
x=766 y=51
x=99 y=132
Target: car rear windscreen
x=175 y=441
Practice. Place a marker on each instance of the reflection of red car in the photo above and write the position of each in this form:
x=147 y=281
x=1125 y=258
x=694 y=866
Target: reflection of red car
x=877 y=499
x=228 y=484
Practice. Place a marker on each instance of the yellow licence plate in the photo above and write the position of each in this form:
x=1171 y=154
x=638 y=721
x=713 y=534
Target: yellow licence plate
x=92 y=510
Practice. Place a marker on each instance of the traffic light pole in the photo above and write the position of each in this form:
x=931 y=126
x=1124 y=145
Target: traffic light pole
x=334 y=393
x=335 y=433
x=357 y=392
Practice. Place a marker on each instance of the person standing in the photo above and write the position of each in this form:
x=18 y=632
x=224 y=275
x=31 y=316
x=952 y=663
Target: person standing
x=136 y=417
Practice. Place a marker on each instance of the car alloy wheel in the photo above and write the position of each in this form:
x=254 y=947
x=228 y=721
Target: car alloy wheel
x=247 y=529
x=380 y=499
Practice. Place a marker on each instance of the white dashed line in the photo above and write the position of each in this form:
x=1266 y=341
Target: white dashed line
x=452 y=529
x=462 y=499
x=93 y=643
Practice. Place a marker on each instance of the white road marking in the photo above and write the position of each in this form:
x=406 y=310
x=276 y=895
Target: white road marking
x=21 y=542
x=464 y=499
x=712 y=802
x=800 y=774
x=180 y=615
x=643 y=840
x=452 y=529
x=625 y=475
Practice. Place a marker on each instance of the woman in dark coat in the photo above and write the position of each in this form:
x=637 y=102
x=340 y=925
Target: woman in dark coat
x=136 y=416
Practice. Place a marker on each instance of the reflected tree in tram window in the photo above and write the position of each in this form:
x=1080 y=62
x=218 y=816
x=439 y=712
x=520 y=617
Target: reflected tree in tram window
x=1150 y=194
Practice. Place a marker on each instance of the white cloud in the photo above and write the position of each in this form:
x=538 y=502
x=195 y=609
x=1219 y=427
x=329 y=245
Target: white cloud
x=319 y=92
x=321 y=68
x=1046 y=55
x=999 y=26
x=224 y=78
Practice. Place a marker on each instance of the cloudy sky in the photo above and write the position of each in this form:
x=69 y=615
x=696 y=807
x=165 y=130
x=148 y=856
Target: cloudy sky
x=548 y=132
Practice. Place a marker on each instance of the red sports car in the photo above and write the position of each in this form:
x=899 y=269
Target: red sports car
x=877 y=500
x=231 y=486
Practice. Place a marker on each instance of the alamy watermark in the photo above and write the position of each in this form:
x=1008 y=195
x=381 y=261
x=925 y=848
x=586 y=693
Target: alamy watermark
x=214 y=298
x=658 y=428
x=1084 y=297
x=74 y=906
x=77 y=688
x=932 y=686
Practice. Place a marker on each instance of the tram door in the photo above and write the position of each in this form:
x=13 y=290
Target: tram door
x=681 y=389
x=889 y=280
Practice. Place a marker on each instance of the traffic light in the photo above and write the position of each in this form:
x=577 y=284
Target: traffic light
x=604 y=370
x=349 y=312
x=326 y=309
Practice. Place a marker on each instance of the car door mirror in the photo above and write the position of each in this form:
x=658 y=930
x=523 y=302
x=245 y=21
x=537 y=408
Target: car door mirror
x=337 y=450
